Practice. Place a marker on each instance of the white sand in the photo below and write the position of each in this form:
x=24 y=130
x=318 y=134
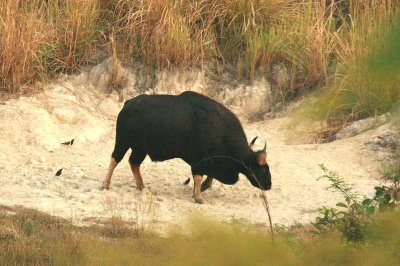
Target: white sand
x=32 y=129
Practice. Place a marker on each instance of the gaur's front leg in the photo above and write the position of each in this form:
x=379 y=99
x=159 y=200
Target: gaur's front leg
x=206 y=184
x=196 y=189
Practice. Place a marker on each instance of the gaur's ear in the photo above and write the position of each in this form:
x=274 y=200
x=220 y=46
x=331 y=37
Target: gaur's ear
x=262 y=155
x=252 y=142
x=262 y=158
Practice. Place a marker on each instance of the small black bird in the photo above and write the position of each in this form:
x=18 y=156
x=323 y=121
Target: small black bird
x=68 y=142
x=58 y=172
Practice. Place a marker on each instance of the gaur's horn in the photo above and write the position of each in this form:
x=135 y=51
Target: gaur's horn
x=252 y=142
x=265 y=148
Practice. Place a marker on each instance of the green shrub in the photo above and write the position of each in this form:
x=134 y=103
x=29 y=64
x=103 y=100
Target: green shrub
x=355 y=213
x=29 y=226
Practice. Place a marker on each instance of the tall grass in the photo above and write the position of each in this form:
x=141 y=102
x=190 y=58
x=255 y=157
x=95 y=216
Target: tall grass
x=246 y=37
x=365 y=79
x=22 y=32
x=165 y=33
x=209 y=243
x=74 y=32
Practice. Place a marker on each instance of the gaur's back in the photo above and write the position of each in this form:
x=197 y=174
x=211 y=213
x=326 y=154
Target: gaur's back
x=184 y=126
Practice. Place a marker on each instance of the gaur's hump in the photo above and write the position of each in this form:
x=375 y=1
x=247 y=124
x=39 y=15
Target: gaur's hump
x=202 y=101
x=136 y=99
x=195 y=96
x=215 y=109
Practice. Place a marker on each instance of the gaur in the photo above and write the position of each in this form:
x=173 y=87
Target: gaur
x=193 y=127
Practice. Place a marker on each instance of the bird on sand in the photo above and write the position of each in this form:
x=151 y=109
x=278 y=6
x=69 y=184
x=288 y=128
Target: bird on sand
x=58 y=172
x=68 y=142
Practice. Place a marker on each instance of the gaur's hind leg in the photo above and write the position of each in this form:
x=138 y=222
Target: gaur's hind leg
x=117 y=155
x=196 y=189
x=135 y=160
x=206 y=184
x=107 y=180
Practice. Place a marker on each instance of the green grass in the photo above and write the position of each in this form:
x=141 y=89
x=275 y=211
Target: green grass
x=366 y=84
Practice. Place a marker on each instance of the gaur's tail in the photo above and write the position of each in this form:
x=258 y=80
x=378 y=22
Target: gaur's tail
x=187 y=181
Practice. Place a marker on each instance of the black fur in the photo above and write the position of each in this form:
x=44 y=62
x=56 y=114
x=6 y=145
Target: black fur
x=192 y=127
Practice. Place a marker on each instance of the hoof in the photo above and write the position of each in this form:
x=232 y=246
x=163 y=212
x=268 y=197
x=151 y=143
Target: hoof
x=140 y=188
x=103 y=187
x=199 y=201
x=204 y=186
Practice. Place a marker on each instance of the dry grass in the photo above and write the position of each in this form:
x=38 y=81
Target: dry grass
x=116 y=227
x=28 y=237
x=128 y=218
x=314 y=40
x=73 y=36
x=21 y=34
x=241 y=245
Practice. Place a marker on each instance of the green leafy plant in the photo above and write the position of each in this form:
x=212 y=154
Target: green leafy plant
x=29 y=226
x=355 y=213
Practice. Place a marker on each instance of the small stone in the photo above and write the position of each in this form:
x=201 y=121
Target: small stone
x=32 y=161
x=65 y=115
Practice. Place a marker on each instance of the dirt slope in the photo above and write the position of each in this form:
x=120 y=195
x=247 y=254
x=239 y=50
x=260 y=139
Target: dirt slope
x=32 y=129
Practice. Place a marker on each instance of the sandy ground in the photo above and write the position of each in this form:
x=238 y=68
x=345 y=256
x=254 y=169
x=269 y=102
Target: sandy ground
x=32 y=128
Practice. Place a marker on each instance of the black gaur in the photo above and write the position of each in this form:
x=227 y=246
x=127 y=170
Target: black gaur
x=193 y=127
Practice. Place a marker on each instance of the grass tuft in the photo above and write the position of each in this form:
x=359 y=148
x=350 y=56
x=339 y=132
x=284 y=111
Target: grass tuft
x=22 y=33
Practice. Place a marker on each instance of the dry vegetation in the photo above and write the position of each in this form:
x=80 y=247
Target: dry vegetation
x=29 y=237
x=40 y=38
x=367 y=82
x=322 y=43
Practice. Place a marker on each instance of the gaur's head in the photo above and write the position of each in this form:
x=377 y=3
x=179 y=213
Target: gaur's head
x=260 y=168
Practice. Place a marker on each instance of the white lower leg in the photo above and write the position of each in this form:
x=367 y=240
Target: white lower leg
x=196 y=188
x=136 y=174
x=107 y=180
